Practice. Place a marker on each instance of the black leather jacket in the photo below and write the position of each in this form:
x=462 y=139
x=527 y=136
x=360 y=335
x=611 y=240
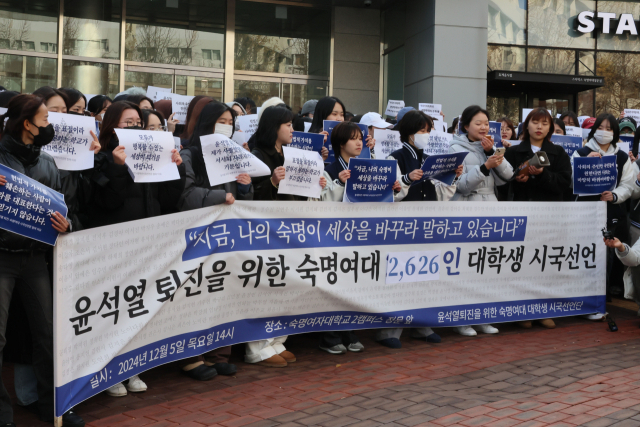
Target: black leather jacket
x=29 y=161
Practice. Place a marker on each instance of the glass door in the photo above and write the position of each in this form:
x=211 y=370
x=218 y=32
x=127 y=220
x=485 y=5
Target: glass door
x=183 y=82
x=556 y=104
x=294 y=92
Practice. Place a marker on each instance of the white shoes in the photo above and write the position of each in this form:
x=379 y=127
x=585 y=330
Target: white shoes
x=486 y=329
x=135 y=385
x=466 y=331
x=596 y=316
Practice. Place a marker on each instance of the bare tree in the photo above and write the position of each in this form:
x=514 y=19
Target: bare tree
x=151 y=43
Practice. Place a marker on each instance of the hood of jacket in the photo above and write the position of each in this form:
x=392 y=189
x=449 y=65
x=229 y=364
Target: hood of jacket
x=612 y=150
x=472 y=146
x=26 y=154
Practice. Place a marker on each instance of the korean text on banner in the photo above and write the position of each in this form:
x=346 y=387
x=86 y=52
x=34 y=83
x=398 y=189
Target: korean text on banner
x=393 y=107
x=71 y=147
x=179 y=107
x=495 y=130
x=569 y=143
x=247 y=124
x=634 y=114
x=387 y=141
x=27 y=205
x=148 y=155
x=438 y=143
x=152 y=93
x=238 y=264
x=307 y=141
x=303 y=170
x=442 y=167
x=594 y=175
x=626 y=143
x=431 y=110
x=225 y=160
x=370 y=181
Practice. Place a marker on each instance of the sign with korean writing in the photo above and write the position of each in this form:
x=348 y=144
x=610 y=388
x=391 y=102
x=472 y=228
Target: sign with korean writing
x=581 y=119
x=594 y=175
x=225 y=160
x=633 y=114
x=181 y=285
x=247 y=124
x=438 y=143
x=431 y=110
x=442 y=167
x=71 y=147
x=625 y=144
x=148 y=155
x=569 y=143
x=370 y=181
x=152 y=92
x=328 y=125
x=387 y=141
x=179 y=107
x=27 y=205
x=303 y=169
x=495 y=131
x=307 y=141
x=573 y=131
x=393 y=108
x=525 y=113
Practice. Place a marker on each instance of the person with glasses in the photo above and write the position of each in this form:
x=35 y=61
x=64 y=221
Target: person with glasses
x=153 y=120
x=76 y=102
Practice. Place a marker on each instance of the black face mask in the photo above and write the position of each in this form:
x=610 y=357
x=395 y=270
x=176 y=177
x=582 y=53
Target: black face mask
x=134 y=127
x=45 y=135
x=75 y=113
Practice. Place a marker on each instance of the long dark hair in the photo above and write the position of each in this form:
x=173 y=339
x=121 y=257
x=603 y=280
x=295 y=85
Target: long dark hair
x=147 y=113
x=615 y=127
x=6 y=96
x=73 y=96
x=561 y=124
x=205 y=126
x=468 y=114
x=137 y=99
x=192 y=104
x=96 y=104
x=537 y=114
x=270 y=121
x=111 y=120
x=572 y=116
x=195 y=115
x=20 y=108
x=48 y=92
x=324 y=108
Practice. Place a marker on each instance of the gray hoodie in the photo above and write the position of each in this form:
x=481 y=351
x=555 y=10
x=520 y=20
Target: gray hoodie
x=473 y=185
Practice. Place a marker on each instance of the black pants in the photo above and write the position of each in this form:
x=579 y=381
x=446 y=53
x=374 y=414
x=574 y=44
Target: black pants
x=332 y=338
x=35 y=291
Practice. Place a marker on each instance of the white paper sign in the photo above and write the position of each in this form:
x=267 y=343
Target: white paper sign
x=179 y=106
x=513 y=142
x=525 y=113
x=585 y=133
x=393 y=107
x=239 y=138
x=177 y=142
x=581 y=119
x=432 y=110
x=303 y=170
x=387 y=141
x=71 y=147
x=225 y=160
x=573 y=131
x=3 y=110
x=438 y=143
x=248 y=124
x=623 y=146
x=148 y=155
x=307 y=126
x=439 y=125
x=152 y=92
x=634 y=114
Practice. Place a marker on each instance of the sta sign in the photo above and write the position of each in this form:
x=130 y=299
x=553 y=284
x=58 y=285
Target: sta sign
x=587 y=22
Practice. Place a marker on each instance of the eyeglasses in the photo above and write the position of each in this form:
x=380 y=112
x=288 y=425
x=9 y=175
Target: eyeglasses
x=158 y=128
x=131 y=122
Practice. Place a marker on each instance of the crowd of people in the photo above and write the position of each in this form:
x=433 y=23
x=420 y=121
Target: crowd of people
x=107 y=194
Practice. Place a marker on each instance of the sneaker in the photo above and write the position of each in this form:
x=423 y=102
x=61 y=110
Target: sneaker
x=356 y=347
x=391 y=342
x=466 y=331
x=288 y=356
x=136 y=385
x=71 y=419
x=117 y=390
x=273 y=362
x=227 y=369
x=336 y=349
x=526 y=324
x=547 y=323
x=596 y=317
x=486 y=329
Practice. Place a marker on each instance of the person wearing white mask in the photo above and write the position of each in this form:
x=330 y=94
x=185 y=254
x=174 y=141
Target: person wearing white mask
x=483 y=170
x=602 y=141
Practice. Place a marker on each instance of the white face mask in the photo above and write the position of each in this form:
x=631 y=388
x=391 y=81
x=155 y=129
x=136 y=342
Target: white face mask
x=226 y=130
x=421 y=140
x=603 y=137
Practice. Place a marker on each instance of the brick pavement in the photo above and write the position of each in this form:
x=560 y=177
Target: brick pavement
x=577 y=374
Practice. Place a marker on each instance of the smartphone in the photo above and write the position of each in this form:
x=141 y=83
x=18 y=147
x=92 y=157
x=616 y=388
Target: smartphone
x=500 y=151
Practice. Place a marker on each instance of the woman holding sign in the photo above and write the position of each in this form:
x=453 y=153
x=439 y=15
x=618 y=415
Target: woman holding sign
x=484 y=169
x=25 y=129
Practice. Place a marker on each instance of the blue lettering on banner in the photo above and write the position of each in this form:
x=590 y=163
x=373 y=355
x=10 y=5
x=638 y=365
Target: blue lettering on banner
x=328 y=126
x=26 y=206
x=233 y=235
x=569 y=143
x=195 y=343
x=442 y=167
x=594 y=175
x=371 y=180
x=307 y=141
x=495 y=130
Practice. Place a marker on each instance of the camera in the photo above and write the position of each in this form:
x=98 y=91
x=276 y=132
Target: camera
x=367 y=3
x=607 y=234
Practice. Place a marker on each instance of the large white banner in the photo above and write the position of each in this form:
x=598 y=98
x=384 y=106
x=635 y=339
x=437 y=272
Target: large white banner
x=136 y=295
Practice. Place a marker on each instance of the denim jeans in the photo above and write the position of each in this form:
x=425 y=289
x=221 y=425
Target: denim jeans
x=25 y=384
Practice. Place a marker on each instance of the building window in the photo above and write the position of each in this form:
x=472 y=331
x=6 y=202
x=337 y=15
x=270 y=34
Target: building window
x=551 y=61
x=91 y=77
x=27 y=23
x=551 y=23
x=507 y=21
x=508 y=58
x=621 y=72
x=37 y=72
x=92 y=28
